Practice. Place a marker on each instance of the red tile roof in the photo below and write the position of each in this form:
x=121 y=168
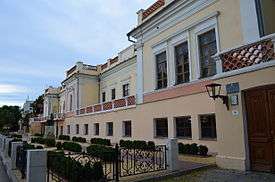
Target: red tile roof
x=153 y=8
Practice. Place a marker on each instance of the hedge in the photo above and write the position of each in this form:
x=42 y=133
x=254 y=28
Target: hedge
x=193 y=149
x=44 y=141
x=103 y=152
x=64 y=137
x=71 y=146
x=137 y=144
x=38 y=135
x=73 y=170
x=16 y=136
x=101 y=141
x=79 y=139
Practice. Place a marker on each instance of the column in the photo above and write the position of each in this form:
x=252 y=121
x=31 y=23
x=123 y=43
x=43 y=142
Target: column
x=14 y=146
x=139 y=82
x=172 y=154
x=36 y=165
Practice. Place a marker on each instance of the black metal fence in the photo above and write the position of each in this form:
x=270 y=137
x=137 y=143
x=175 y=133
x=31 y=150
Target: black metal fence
x=21 y=160
x=74 y=167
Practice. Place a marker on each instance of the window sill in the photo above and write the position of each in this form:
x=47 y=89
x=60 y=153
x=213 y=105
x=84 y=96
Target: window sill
x=127 y=136
x=184 y=138
x=209 y=139
x=161 y=137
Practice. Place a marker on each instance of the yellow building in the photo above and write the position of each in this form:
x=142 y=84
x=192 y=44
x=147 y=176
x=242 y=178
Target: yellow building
x=156 y=89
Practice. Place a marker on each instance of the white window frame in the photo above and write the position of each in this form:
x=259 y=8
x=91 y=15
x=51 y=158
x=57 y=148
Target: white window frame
x=158 y=49
x=177 y=40
x=199 y=30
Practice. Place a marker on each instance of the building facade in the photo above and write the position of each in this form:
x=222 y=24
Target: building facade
x=156 y=89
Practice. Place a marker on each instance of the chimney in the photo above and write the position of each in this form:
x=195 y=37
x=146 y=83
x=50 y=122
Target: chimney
x=140 y=15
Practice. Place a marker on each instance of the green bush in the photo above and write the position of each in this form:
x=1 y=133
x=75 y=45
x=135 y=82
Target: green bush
x=59 y=145
x=16 y=136
x=101 y=141
x=137 y=144
x=79 y=139
x=38 y=135
x=71 y=146
x=39 y=147
x=203 y=150
x=64 y=137
x=38 y=140
x=73 y=170
x=103 y=152
x=49 y=142
x=194 y=149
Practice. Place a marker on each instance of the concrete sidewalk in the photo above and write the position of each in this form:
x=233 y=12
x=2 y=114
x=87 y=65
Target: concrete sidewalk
x=3 y=175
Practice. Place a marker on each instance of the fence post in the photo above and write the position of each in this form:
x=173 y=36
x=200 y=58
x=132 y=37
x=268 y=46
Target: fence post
x=6 y=152
x=14 y=146
x=36 y=165
x=172 y=154
x=117 y=160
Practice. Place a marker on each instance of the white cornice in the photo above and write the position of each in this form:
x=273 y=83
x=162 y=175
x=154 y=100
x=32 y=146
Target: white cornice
x=178 y=12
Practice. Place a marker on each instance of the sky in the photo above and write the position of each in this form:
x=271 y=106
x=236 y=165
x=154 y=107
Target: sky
x=41 y=39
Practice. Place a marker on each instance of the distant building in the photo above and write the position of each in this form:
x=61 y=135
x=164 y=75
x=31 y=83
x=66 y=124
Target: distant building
x=27 y=107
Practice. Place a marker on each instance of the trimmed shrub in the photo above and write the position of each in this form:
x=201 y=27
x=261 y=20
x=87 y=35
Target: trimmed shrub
x=203 y=150
x=194 y=149
x=64 y=137
x=137 y=144
x=181 y=148
x=73 y=170
x=71 y=146
x=38 y=140
x=39 y=147
x=102 y=152
x=101 y=141
x=49 y=142
x=79 y=139
x=59 y=145
x=16 y=136
x=38 y=135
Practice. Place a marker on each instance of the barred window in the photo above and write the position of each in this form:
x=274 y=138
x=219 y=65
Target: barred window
x=104 y=97
x=182 y=63
x=68 y=129
x=125 y=89
x=77 y=129
x=127 y=128
x=208 y=126
x=109 y=129
x=113 y=94
x=183 y=127
x=86 y=129
x=96 y=129
x=161 y=127
x=61 y=130
x=208 y=48
x=161 y=65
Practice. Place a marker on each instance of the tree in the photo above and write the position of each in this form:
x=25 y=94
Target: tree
x=38 y=105
x=9 y=117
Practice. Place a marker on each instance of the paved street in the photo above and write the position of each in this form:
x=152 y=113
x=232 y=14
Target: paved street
x=220 y=175
x=3 y=175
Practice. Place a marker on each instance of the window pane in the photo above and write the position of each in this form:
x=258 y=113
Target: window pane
x=161 y=126
x=183 y=127
x=182 y=63
x=125 y=90
x=208 y=126
x=208 y=48
x=109 y=129
x=127 y=129
x=96 y=125
x=86 y=129
x=113 y=94
x=103 y=97
x=161 y=66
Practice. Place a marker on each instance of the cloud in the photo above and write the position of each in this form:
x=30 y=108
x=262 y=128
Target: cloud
x=12 y=89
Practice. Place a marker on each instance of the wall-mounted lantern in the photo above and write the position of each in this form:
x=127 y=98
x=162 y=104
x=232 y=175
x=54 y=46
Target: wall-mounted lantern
x=214 y=91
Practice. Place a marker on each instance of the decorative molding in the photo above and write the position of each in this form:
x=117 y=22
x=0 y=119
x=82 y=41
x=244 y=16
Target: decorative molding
x=177 y=91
